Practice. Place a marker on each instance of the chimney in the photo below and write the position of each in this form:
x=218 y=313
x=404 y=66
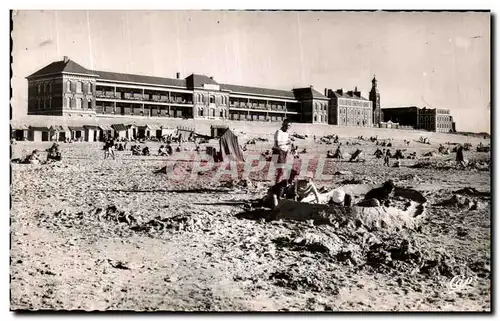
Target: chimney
x=66 y=58
x=211 y=77
x=340 y=91
x=326 y=92
x=178 y=75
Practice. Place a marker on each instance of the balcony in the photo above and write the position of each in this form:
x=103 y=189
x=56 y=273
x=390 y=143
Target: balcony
x=139 y=97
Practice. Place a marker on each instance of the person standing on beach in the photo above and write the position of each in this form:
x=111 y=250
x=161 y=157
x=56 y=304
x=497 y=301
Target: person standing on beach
x=281 y=147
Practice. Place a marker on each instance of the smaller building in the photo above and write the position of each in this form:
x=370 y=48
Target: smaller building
x=389 y=124
x=430 y=119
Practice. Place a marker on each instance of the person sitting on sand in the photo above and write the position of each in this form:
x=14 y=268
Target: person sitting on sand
x=292 y=188
x=136 y=150
x=34 y=158
x=162 y=151
x=145 y=151
x=378 y=153
x=169 y=149
x=53 y=153
x=378 y=195
x=178 y=149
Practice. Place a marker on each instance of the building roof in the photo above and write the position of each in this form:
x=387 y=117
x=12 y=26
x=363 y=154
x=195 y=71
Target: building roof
x=259 y=91
x=309 y=92
x=61 y=66
x=115 y=76
x=347 y=95
x=197 y=81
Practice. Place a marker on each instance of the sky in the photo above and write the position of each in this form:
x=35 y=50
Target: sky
x=432 y=59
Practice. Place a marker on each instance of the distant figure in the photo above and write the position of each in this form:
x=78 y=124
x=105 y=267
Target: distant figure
x=109 y=148
x=281 y=147
x=145 y=151
x=378 y=153
x=460 y=156
x=387 y=158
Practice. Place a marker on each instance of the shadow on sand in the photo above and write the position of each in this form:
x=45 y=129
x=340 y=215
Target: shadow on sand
x=180 y=191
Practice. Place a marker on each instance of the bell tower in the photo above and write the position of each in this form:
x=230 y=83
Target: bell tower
x=375 y=99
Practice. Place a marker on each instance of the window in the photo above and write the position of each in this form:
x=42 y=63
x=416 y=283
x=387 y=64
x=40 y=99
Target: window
x=68 y=102
x=78 y=103
x=50 y=87
x=68 y=86
x=44 y=87
x=79 y=87
x=39 y=88
x=315 y=118
x=44 y=103
x=200 y=111
x=212 y=99
x=50 y=102
x=221 y=113
x=38 y=103
x=89 y=88
x=89 y=103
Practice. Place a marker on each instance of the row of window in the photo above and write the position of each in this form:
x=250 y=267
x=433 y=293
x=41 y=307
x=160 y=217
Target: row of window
x=443 y=118
x=348 y=121
x=356 y=103
x=320 y=106
x=79 y=86
x=46 y=86
x=77 y=103
x=44 y=103
x=202 y=99
x=212 y=113
x=321 y=118
x=349 y=111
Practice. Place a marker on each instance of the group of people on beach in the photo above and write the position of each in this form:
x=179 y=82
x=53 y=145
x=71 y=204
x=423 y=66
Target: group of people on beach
x=299 y=189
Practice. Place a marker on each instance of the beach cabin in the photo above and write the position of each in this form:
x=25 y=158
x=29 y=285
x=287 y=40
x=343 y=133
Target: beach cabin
x=59 y=133
x=39 y=133
x=19 y=131
x=91 y=133
x=105 y=131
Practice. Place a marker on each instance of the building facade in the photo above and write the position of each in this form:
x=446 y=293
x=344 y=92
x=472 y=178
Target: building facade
x=314 y=105
x=349 y=108
x=65 y=88
x=436 y=120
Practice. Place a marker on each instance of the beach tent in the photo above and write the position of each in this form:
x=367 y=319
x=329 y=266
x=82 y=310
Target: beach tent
x=229 y=146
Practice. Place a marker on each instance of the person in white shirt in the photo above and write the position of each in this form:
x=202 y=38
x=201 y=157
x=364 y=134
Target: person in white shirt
x=281 y=147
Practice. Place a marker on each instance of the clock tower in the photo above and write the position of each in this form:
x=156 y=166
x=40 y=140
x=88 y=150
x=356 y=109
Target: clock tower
x=375 y=99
